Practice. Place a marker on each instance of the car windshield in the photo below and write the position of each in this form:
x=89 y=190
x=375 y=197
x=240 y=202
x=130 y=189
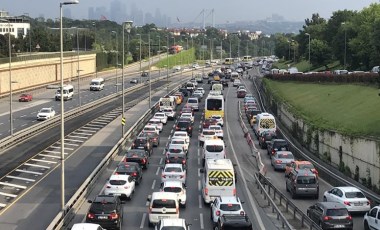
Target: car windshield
x=183 y=124
x=230 y=207
x=173 y=169
x=140 y=141
x=98 y=207
x=215 y=127
x=168 y=110
x=306 y=180
x=149 y=129
x=24 y=95
x=192 y=101
x=172 y=228
x=354 y=195
x=45 y=111
x=337 y=212
x=207 y=132
x=305 y=166
x=117 y=182
x=214 y=148
x=178 y=142
x=172 y=189
x=154 y=122
x=214 y=104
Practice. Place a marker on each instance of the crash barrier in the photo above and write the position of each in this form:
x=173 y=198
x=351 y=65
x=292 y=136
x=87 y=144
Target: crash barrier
x=63 y=218
x=328 y=172
x=266 y=188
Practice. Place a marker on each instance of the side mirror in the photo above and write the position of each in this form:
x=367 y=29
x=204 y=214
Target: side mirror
x=89 y=201
x=242 y=202
x=202 y=170
x=148 y=199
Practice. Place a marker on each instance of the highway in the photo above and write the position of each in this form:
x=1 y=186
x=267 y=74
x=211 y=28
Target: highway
x=277 y=177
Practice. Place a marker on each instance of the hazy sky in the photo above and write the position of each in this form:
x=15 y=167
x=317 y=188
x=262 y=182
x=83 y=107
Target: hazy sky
x=188 y=10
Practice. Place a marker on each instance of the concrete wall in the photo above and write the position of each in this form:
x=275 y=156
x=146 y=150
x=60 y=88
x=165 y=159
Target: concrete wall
x=362 y=153
x=44 y=71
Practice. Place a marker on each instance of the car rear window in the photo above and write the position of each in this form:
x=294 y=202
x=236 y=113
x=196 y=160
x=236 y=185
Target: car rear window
x=214 y=148
x=117 y=182
x=230 y=207
x=173 y=169
x=337 y=212
x=183 y=124
x=355 y=195
x=126 y=168
x=141 y=141
x=163 y=203
x=208 y=132
x=306 y=180
x=285 y=156
x=192 y=101
x=98 y=207
x=172 y=189
x=134 y=154
x=305 y=166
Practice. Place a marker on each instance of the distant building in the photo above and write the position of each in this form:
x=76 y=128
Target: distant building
x=18 y=26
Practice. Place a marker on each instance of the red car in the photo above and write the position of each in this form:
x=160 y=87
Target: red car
x=241 y=93
x=25 y=97
x=209 y=121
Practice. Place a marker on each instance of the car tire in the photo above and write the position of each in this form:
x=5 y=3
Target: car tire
x=287 y=189
x=324 y=199
x=366 y=226
x=151 y=225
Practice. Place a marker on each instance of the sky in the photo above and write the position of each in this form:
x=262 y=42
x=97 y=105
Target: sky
x=188 y=10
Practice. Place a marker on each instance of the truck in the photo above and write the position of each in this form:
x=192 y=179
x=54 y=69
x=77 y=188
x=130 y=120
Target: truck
x=218 y=179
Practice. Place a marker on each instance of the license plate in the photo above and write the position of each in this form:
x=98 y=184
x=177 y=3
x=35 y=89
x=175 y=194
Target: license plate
x=339 y=226
x=183 y=128
x=163 y=217
x=358 y=204
x=140 y=147
x=172 y=177
x=102 y=217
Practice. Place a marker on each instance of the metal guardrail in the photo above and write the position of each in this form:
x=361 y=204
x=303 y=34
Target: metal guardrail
x=34 y=130
x=331 y=176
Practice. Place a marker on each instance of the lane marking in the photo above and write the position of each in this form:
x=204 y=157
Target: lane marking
x=201 y=220
x=161 y=159
x=143 y=220
x=199 y=185
x=55 y=152
x=158 y=170
x=154 y=184
x=37 y=166
x=27 y=171
x=58 y=147
x=66 y=139
x=8 y=194
x=200 y=201
x=43 y=161
x=79 y=137
x=13 y=185
x=20 y=178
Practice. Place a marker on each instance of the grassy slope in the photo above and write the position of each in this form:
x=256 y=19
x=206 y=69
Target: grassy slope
x=184 y=57
x=303 y=66
x=351 y=109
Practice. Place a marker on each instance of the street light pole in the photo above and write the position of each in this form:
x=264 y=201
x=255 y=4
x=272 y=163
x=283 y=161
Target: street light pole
x=117 y=59
x=140 y=55
x=167 y=65
x=309 y=50
x=63 y=108
x=150 y=82
x=159 y=55
x=78 y=69
x=127 y=26
x=345 y=44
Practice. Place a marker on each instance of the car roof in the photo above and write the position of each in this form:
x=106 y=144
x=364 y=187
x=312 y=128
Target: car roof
x=119 y=177
x=229 y=199
x=284 y=152
x=180 y=132
x=172 y=183
x=348 y=189
x=173 y=165
x=104 y=198
x=173 y=222
x=305 y=172
x=85 y=226
x=331 y=205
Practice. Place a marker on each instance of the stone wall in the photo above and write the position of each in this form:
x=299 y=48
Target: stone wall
x=358 y=157
x=44 y=71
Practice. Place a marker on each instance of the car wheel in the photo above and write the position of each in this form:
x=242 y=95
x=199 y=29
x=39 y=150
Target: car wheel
x=130 y=196
x=286 y=186
x=150 y=224
x=294 y=196
x=366 y=226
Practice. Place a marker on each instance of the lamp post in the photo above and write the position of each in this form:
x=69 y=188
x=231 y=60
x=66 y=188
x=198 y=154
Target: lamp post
x=62 y=107
x=345 y=44
x=117 y=59
x=127 y=26
x=289 y=49
x=167 y=65
x=10 y=76
x=150 y=82
x=221 y=50
x=159 y=55
x=230 y=48
x=187 y=48
x=309 y=50
x=78 y=70
x=140 y=55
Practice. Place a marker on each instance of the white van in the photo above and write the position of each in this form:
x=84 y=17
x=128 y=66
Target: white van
x=190 y=86
x=218 y=179
x=213 y=149
x=68 y=93
x=264 y=122
x=163 y=205
x=97 y=84
x=166 y=102
x=194 y=103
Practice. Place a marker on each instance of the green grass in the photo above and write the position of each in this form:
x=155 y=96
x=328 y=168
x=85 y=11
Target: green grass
x=183 y=58
x=303 y=66
x=349 y=109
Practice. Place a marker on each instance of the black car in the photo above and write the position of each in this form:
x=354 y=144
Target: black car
x=144 y=74
x=184 y=92
x=155 y=138
x=107 y=211
x=130 y=168
x=143 y=142
x=176 y=158
x=231 y=222
x=252 y=112
x=330 y=215
x=139 y=156
x=277 y=145
x=264 y=137
x=184 y=125
x=224 y=82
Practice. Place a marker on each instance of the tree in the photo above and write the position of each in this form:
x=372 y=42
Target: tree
x=321 y=52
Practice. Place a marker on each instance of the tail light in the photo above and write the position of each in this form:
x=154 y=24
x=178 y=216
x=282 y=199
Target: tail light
x=368 y=202
x=242 y=213
x=217 y=213
x=349 y=218
x=206 y=191
x=347 y=203
x=143 y=161
x=183 y=162
x=234 y=192
x=327 y=218
x=190 y=127
x=113 y=216
x=90 y=216
x=167 y=161
x=273 y=151
x=126 y=187
x=278 y=161
x=177 y=127
x=164 y=176
x=116 y=173
x=134 y=174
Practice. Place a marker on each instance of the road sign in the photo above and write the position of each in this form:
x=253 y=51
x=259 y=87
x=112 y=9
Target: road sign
x=123 y=121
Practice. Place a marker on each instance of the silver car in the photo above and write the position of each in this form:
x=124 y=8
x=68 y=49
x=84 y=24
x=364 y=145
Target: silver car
x=173 y=172
x=280 y=159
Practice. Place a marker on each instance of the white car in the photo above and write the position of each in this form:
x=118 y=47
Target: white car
x=195 y=82
x=198 y=93
x=176 y=149
x=201 y=89
x=86 y=226
x=173 y=172
x=372 y=218
x=167 y=223
x=352 y=198
x=196 y=66
x=178 y=188
x=150 y=129
x=236 y=82
x=120 y=185
x=206 y=134
x=218 y=130
x=180 y=141
x=45 y=113
x=222 y=205
x=188 y=115
x=170 y=113
x=182 y=134
x=162 y=116
x=157 y=123
x=219 y=119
